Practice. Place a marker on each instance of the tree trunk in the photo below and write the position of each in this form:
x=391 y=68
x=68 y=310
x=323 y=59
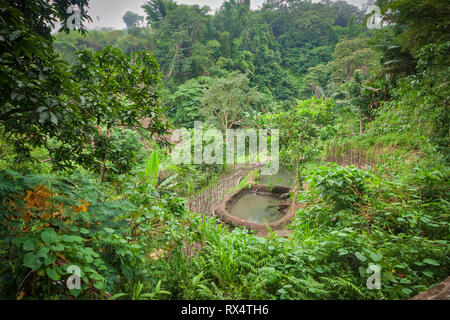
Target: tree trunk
x=360 y=124
x=104 y=170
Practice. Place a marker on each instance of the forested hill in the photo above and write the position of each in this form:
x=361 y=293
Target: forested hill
x=287 y=52
x=89 y=190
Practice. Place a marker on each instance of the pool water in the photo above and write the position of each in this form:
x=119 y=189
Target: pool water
x=257 y=208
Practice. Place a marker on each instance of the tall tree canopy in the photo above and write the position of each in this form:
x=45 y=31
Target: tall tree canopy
x=227 y=99
x=419 y=22
x=132 y=19
x=45 y=104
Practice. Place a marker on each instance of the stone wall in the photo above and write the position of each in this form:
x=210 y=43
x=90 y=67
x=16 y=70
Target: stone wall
x=223 y=214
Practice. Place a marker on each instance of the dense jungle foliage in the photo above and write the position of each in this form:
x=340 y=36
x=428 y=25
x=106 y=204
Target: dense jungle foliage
x=87 y=179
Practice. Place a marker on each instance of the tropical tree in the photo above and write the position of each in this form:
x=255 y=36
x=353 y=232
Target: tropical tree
x=33 y=80
x=45 y=104
x=419 y=22
x=183 y=105
x=157 y=9
x=300 y=132
x=227 y=99
x=350 y=55
x=316 y=79
x=132 y=19
x=365 y=97
x=178 y=31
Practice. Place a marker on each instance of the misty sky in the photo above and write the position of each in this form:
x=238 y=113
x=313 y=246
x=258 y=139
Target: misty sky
x=108 y=13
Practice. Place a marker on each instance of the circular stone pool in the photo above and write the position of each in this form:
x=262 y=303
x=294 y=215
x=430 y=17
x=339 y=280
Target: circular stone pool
x=255 y=207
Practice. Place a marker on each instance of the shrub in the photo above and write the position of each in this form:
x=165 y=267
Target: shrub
x=344 y=187
x=52 y=222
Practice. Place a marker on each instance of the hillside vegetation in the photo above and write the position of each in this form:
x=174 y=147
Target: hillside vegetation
x=86 y=178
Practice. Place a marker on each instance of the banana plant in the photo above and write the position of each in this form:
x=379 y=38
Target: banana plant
x=151 y=171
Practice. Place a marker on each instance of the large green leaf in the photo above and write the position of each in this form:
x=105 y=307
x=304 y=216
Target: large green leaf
x=49 y=235
x=53 y=274
x=432 y=262
x=152 y=168
x=29 y=245
x=32 y=261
